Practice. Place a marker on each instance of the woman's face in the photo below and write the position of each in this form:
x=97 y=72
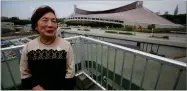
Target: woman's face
x=47 y=25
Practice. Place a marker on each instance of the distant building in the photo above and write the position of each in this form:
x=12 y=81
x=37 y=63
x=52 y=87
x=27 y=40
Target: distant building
x=131 y=14
x=4 y=18
x=166 y=13
x=158 y=13
x=5 y=44
x=27 y=27
x=176 y=10
x=20 y=41
x=7 y=25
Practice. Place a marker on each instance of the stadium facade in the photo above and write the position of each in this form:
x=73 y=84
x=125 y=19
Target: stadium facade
x=131 y=14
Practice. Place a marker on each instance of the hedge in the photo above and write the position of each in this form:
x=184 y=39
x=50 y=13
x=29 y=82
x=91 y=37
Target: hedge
x=125 y=33
x=109 y=31
x=65 y=28
x=119 y=32
x=83 y=29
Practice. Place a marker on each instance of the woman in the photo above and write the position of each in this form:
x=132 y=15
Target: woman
x=47 y=62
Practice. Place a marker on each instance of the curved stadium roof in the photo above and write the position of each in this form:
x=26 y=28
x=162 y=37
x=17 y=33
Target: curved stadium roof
x=134 y=12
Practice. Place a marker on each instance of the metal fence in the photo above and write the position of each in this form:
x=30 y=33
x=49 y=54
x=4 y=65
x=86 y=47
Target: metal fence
x=175 y=51
x=110 y=66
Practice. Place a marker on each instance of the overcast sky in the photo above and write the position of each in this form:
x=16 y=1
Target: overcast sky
x=24 y=9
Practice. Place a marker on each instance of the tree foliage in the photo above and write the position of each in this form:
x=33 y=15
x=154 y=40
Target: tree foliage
x=60 y=20
x=17 y=21
x=178 y=19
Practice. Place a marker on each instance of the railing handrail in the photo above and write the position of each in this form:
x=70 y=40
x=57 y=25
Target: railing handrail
x=163 y=60
x=21 y=46
x=128 y=39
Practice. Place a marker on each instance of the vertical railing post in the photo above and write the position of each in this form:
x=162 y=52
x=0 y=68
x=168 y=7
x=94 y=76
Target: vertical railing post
x=157 y=49
x=2 y=88
x=115 y=55
x=101 y=64
x=121 y=82
x=96 y=64
x=91 y=59
x=132 y=70
x=18 y=54
x=8 y=66
x=82 y=54
x=76 y=58
x=87 y=57
x=108 y=49
x=177 y=80
x=143 y=76
x=158 y=76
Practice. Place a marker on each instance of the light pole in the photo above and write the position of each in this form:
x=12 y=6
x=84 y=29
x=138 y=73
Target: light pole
x=152 y=33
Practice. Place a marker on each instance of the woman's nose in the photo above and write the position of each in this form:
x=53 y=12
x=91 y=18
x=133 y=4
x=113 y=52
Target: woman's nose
x=49 y=23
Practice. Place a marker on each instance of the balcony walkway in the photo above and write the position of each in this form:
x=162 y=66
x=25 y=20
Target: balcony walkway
x=108 y=66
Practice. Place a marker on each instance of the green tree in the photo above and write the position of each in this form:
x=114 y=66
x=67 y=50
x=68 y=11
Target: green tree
x=14 y=18
x=178 y=19
x=60 y=20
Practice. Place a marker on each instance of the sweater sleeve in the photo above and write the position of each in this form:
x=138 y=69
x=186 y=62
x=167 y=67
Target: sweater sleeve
x=70 y=69
x=27 y=80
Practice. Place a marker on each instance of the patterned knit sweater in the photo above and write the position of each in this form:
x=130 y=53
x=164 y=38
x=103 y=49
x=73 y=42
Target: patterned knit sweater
x=50 y=66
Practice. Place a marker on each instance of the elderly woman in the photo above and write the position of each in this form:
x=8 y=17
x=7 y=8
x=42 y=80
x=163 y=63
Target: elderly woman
x=47 y=62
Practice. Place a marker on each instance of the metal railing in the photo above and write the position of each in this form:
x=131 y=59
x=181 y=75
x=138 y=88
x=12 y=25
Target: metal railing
x=175 y=50
x=112 y=66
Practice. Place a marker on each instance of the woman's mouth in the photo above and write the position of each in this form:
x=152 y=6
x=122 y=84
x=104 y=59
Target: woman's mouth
x=50 y=31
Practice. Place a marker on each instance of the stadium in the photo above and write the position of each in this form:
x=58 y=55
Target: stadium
x=131 y=14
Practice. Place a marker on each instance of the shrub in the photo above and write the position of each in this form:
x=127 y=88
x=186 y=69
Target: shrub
x=128 y=28
x=145 y=30
x=83 y=29
x=109 y=31
x=161 y=30
x=65 y=28
x=125 y=33
x=86 y=29
x=165 y=37
x=150 y=27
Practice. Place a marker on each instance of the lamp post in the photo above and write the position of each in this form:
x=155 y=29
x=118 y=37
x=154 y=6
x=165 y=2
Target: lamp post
x=152 y=33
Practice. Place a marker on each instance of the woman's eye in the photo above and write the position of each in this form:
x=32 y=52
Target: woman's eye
x=54 y=21
x=44 y=20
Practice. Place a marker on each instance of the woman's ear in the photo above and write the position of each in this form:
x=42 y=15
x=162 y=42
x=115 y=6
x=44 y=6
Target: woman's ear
x=36 y=29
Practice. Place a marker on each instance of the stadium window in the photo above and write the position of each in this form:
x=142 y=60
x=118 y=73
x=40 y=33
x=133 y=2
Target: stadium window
x=97 y=18
x=78 y=17
x=93 y=18
x=84 y=17
x=75 y=17
x=81 y=17
x=111 y=20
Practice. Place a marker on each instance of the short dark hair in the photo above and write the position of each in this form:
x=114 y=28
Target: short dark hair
x=38 y=13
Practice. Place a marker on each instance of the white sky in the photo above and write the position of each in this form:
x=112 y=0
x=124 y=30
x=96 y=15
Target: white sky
x=63 y=8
